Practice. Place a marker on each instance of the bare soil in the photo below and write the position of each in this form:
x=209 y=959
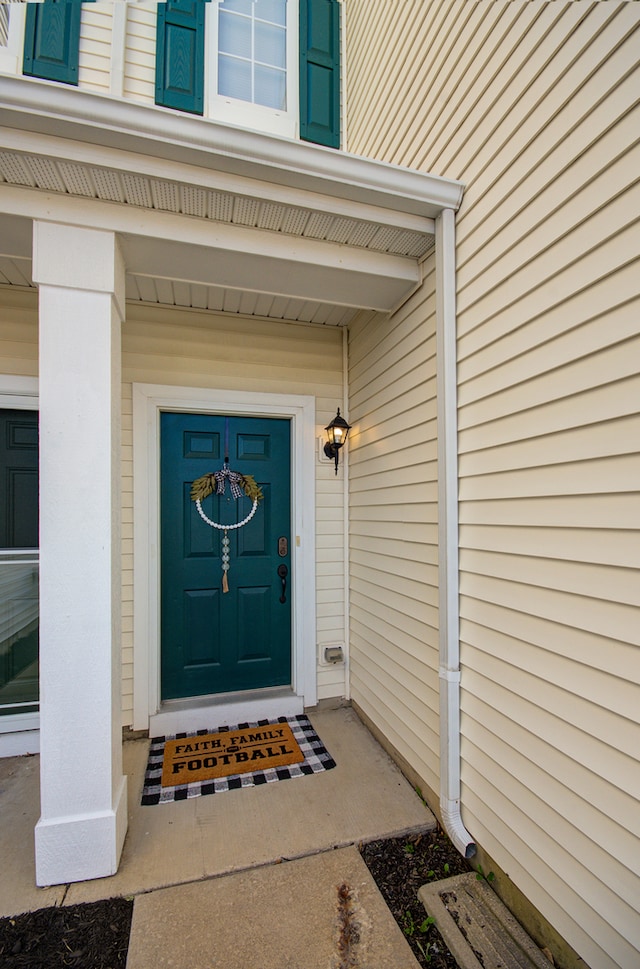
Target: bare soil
x=400 y=866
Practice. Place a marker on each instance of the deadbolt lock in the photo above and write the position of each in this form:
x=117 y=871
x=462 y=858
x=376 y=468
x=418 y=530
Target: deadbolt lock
x=283 y=546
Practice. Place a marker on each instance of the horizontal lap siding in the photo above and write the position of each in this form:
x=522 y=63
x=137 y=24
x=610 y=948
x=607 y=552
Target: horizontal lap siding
x=94 y=61
x=202 y=350
x=198 y=349
x=534 y=107
x=18 y=332
x=100 y=50
x=394 y=528
x=140 y=53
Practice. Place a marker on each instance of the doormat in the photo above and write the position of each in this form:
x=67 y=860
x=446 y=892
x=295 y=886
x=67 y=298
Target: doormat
x=245 y=755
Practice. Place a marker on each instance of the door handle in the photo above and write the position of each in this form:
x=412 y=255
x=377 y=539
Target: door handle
x=283 y=572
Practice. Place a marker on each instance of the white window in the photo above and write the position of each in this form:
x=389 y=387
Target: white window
x=252 y=64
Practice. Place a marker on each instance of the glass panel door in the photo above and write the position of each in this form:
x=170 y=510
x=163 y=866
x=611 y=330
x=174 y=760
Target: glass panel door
x=18 y=632
x=19 y=570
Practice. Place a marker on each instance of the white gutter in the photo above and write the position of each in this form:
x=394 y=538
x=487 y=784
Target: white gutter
x=30 y=104
x=449 y=673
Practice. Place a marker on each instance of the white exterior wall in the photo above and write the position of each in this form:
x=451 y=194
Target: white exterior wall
x=117 y=49
x=140 y=53
x=117 y=54
x=18 y=332
x=534 y=107
x=189 y=348
x=394 y=527
x=94 y=55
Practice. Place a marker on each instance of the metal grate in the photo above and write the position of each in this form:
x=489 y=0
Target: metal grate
x=108 y=185
x=14 y=170
x=318 y=225
x=220 y=207
x=341 y=230
x=46 y=174
x=294 y=221
x=77 y=179
x=271 y=216
x=194 y=201
x=245 y=211
x=138 y=191
x=166 y=195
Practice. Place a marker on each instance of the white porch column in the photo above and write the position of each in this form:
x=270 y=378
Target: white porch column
x=80 y=274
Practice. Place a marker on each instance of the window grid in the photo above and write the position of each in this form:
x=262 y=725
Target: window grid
x=257 y=80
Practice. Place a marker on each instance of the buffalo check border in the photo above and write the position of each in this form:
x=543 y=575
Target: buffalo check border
x=316 y=759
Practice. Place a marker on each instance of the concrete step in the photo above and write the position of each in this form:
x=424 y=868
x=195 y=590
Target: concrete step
x=480 y=932
x=312 y=913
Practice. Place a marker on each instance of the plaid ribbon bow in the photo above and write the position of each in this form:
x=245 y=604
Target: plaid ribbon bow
x=234 y=481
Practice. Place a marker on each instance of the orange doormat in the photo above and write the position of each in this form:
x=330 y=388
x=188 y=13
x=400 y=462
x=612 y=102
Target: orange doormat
x=229 y=758
x=204 y=757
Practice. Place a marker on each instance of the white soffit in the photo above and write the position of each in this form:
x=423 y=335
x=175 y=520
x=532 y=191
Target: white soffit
x=288 y=221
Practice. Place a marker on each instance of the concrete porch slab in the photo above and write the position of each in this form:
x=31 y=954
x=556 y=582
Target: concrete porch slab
x=363 y=798
x=19 y=812
x=286 y=916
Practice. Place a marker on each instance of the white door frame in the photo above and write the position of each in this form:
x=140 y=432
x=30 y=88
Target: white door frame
x=148 y=402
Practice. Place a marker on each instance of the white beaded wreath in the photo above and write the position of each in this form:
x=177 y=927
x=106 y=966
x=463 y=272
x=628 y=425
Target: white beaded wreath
x=227 y=528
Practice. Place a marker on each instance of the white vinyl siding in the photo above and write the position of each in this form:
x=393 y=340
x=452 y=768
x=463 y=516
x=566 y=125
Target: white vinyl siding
x=18 y=331
x=394 y=527
x=199 y=349
x=94 y=59
x=534 y=107
x=140 y=53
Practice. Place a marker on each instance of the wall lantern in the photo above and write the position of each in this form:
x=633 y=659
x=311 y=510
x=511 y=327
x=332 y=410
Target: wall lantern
x=337 y=433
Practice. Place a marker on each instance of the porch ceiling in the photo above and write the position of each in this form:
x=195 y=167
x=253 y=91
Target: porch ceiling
x=211 y=216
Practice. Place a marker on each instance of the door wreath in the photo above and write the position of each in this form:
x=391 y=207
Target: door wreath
x=239 y=484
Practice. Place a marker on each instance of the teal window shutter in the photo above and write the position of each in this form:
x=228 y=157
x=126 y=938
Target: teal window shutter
x=180 y=55
x=320 y=72
x=52 y=40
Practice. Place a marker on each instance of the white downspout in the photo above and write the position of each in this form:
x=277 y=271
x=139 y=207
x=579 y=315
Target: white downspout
x=447 y=403
x=345 y=500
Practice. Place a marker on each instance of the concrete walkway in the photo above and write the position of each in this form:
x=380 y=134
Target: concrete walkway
x=249 y=878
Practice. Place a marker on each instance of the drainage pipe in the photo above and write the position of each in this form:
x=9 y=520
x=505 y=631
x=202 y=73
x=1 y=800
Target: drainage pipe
x=447 y=404
x=345 y=512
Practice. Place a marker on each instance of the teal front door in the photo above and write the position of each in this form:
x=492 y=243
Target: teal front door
x=214 y=641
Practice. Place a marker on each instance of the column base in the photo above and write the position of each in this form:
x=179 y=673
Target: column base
x=79 y=847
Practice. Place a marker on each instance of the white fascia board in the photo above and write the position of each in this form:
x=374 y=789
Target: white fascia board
x=48 y=108
x=113 y=159
x=178 y=247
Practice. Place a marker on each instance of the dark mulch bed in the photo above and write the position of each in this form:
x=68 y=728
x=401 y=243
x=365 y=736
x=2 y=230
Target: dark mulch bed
x=400 y=866
x=96 y=935
x=91 y=936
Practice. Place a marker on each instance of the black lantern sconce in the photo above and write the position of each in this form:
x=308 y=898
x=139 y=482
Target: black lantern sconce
x=337 y=433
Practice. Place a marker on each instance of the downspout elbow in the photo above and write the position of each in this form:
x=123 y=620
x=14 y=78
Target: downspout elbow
x=452 y=821
x=450 y=763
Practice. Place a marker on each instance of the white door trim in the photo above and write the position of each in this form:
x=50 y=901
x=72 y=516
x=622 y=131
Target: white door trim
x=148 y=402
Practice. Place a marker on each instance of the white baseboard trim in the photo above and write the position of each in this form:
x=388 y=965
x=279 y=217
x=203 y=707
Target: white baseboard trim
x=19 y=743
